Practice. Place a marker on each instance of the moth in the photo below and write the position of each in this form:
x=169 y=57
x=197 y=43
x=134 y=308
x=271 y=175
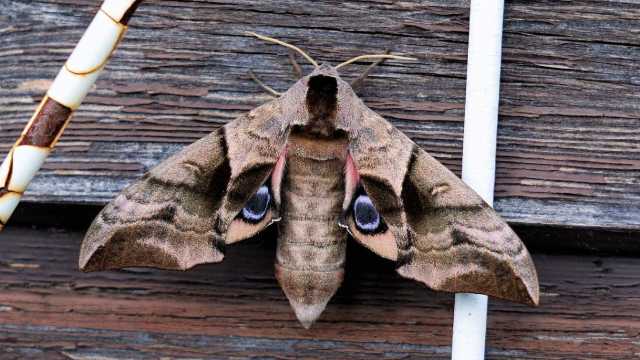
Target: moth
x=324 y=168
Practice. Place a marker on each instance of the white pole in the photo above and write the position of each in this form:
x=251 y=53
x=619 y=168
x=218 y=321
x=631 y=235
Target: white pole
x=479 y=155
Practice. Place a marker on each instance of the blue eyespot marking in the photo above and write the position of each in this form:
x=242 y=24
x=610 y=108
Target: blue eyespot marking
x=256 y=208
x=366 y=216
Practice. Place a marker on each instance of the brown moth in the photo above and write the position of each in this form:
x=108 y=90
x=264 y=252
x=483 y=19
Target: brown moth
x=324 y=167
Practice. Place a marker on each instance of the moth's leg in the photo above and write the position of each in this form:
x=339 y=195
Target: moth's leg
x=357 y=83
x=264 y=86
x=297 y=70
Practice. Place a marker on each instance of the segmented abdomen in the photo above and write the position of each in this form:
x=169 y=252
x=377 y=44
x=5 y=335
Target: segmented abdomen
x=311 y=246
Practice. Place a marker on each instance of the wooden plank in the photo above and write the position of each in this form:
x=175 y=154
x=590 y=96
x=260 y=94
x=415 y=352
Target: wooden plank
x=568 y=150
x=48 y=309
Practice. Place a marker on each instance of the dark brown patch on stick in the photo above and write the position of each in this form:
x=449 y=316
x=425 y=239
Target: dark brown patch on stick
x=129 y=13
x=7 y=181
x=48 y=123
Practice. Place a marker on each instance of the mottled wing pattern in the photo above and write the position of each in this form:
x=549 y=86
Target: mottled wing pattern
x=166 y=219
x=457 y=242
x=178 y=214
x=448 y=238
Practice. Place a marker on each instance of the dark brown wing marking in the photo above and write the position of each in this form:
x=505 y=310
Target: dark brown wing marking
x=255 y=143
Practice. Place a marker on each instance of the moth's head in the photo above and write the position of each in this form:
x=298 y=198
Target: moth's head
x=321 y=103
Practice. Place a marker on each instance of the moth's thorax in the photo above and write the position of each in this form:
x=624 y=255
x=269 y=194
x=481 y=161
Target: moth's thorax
x=322 y=104
x=311 y=246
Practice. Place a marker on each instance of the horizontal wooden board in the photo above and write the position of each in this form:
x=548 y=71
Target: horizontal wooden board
x=49 y=310
x=569 y=136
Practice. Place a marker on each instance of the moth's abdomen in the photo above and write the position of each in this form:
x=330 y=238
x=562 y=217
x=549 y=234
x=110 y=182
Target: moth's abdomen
x=310 y=238
x=311 y=246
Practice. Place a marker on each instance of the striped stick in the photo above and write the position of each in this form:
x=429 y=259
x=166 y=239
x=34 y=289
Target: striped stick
x=65 y=95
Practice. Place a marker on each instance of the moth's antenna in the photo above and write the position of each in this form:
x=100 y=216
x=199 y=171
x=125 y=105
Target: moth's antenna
x=287 y=45
x=375 y=56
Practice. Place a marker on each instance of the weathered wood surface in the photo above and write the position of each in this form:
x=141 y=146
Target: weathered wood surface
x=569 y=138
x=49 y=310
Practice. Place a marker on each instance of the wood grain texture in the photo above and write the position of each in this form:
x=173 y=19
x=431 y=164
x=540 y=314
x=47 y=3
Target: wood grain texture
x=50 y=310
x=569 y=140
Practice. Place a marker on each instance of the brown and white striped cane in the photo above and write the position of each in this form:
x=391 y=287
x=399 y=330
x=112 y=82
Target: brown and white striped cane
x=64 y=96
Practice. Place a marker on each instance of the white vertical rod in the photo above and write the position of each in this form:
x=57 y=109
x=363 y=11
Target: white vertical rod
x=479 y=154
